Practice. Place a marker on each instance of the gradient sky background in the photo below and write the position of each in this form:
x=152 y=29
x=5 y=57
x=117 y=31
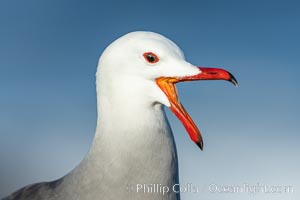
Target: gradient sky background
x=48 y=57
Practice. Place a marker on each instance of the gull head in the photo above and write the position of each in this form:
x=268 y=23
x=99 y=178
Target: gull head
x=146 y=66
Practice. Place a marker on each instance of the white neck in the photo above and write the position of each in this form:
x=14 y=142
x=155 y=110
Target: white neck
x=133 y=145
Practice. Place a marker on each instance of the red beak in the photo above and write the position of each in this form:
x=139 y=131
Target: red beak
x=167 y=85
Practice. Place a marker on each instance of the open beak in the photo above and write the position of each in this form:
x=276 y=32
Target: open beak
x=167 y=85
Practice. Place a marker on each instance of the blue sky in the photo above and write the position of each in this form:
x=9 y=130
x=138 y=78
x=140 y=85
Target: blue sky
x=48 y=57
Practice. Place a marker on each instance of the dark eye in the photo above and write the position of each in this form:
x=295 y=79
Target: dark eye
x=151 y=57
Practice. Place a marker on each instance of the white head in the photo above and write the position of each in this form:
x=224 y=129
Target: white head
x=146 y=66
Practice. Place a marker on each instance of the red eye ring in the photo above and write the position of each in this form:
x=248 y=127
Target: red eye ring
x=151 y=57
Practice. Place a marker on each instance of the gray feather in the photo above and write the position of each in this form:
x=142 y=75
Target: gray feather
x=37 y=191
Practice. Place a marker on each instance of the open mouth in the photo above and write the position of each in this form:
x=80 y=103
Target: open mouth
x=167 y=85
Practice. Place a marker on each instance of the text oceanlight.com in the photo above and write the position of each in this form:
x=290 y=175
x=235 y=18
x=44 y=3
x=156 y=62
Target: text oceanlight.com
x=250 y=189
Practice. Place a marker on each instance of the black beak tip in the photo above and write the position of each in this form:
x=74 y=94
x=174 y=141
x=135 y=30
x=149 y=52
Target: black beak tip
x=200 y=145
x=233 y=80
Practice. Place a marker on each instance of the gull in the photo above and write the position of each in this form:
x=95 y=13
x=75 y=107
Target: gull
x=133 y=155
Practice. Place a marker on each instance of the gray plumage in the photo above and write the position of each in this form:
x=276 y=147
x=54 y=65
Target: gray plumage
x=37 y=191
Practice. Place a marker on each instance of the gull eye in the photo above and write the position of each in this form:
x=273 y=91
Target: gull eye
x=151 y=57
